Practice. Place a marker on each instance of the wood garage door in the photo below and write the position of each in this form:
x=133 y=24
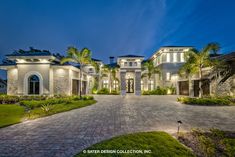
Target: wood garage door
x=183 y=88
x=75 y=87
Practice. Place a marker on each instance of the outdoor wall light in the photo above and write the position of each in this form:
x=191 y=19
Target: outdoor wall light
x=179 y=124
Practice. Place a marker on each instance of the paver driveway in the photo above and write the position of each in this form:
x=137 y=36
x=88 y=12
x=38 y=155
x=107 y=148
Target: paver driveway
x=67 y=133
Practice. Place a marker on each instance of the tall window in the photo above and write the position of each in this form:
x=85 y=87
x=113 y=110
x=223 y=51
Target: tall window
x=168 y=57
x=182 y=57
x=33 y=84
x=168 y=76
x=105 y=83
x=174 y=57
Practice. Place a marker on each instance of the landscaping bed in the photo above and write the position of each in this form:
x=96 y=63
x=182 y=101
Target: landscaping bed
x=217 y=101
x=213 y=143
x=154 y=143
x=160 y=91
x=34 y=107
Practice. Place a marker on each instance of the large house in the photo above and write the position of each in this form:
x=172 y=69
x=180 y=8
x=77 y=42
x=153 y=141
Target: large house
x=37 y=72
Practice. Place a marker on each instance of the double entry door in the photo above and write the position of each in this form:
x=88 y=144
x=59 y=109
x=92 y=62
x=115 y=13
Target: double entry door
x=130 y=85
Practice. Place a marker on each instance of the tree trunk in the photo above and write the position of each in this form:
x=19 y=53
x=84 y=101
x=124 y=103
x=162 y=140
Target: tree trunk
x=80 y=86
x=200 y=83
x=110 y=83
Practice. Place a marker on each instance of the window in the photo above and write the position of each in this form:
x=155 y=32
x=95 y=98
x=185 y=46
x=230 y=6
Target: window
x=2 y=86
x=130 y=64
x=125 y=64
x=151 y=85
x=168 y=57
x=135 y=63
x=182 y=57
x=105 y=83
x=168 y=76
x=115 y=84
x=90 y=69
x=175 y=57
x=33 y=84
x=142 y=85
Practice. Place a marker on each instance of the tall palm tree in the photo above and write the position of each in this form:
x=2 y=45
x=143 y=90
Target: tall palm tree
x=97 y=76
x=201 y=59
x=151 y=69
x=82 y=57
x=114 y=75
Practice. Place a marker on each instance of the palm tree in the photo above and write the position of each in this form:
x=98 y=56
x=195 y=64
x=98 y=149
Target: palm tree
x=188 y=70
x=113 y=74
x=82 y=57
x=97 y=77
x=151 y=69
x=200 y=59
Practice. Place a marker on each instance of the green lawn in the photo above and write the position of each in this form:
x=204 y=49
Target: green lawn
x=10 y=114
x=159 y=143
x=53 y=109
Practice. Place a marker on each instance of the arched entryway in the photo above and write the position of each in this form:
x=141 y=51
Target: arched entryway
x=33 y=85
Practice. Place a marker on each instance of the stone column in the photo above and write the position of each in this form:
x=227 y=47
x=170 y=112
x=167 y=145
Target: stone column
x=123 y=81
x=137 y=82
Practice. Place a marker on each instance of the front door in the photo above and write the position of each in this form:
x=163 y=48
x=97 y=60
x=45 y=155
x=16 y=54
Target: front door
x=130 y=85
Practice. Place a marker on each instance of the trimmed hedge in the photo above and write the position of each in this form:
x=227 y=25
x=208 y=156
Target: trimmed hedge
x=158 y=91
x=52 y=101
x=204 y=101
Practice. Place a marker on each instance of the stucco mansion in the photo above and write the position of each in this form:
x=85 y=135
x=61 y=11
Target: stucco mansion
x=40 y=73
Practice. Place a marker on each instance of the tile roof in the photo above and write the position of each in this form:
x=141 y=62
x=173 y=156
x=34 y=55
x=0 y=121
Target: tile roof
x=134 y=56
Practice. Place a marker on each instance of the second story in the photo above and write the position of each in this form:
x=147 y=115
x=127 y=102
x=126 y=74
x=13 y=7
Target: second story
x=130 y=61
x=170 y=54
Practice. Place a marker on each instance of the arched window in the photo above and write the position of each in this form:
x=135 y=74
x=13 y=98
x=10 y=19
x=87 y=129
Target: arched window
x=33 y=84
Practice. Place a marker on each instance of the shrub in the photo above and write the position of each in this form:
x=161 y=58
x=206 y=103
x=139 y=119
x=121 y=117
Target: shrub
x=38 y=103
x=87 y=97
x=203 y=101
x=114 y=92
x=207 y=145
x=103 y=91
x=158 y=91
x=7 y=99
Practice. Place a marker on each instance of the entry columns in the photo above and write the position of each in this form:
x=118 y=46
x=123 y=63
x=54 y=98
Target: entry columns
x=137 y=82
x=123 y=81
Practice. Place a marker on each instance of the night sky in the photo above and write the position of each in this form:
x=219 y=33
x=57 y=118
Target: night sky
x=115 y=27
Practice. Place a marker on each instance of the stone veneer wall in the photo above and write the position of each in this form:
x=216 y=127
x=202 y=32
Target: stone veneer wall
x=12 y=82
x=138 y=83
x=123 y=82
x=61 y=82
x=226 y=88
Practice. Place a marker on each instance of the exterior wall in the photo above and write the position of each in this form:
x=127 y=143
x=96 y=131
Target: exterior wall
x=225 y=89
x=138 y=82
x=25 y=69
x=62 y=83
x=12 y=81
x=123 y=82
x=171 y=68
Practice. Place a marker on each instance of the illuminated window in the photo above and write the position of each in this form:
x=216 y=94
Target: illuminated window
x=142 y=85
x=182 y=57
x=175 y=57
x=151 y=85
x=115 y=84
x=168 y=57
x=105 y=83
x=168 y=76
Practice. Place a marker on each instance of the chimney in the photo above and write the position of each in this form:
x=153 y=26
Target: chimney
x=111 y=60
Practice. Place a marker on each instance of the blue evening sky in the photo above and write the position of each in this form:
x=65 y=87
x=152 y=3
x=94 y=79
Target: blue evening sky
x=115 y=27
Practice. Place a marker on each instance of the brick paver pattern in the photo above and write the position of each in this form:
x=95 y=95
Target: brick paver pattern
x=67 y=133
